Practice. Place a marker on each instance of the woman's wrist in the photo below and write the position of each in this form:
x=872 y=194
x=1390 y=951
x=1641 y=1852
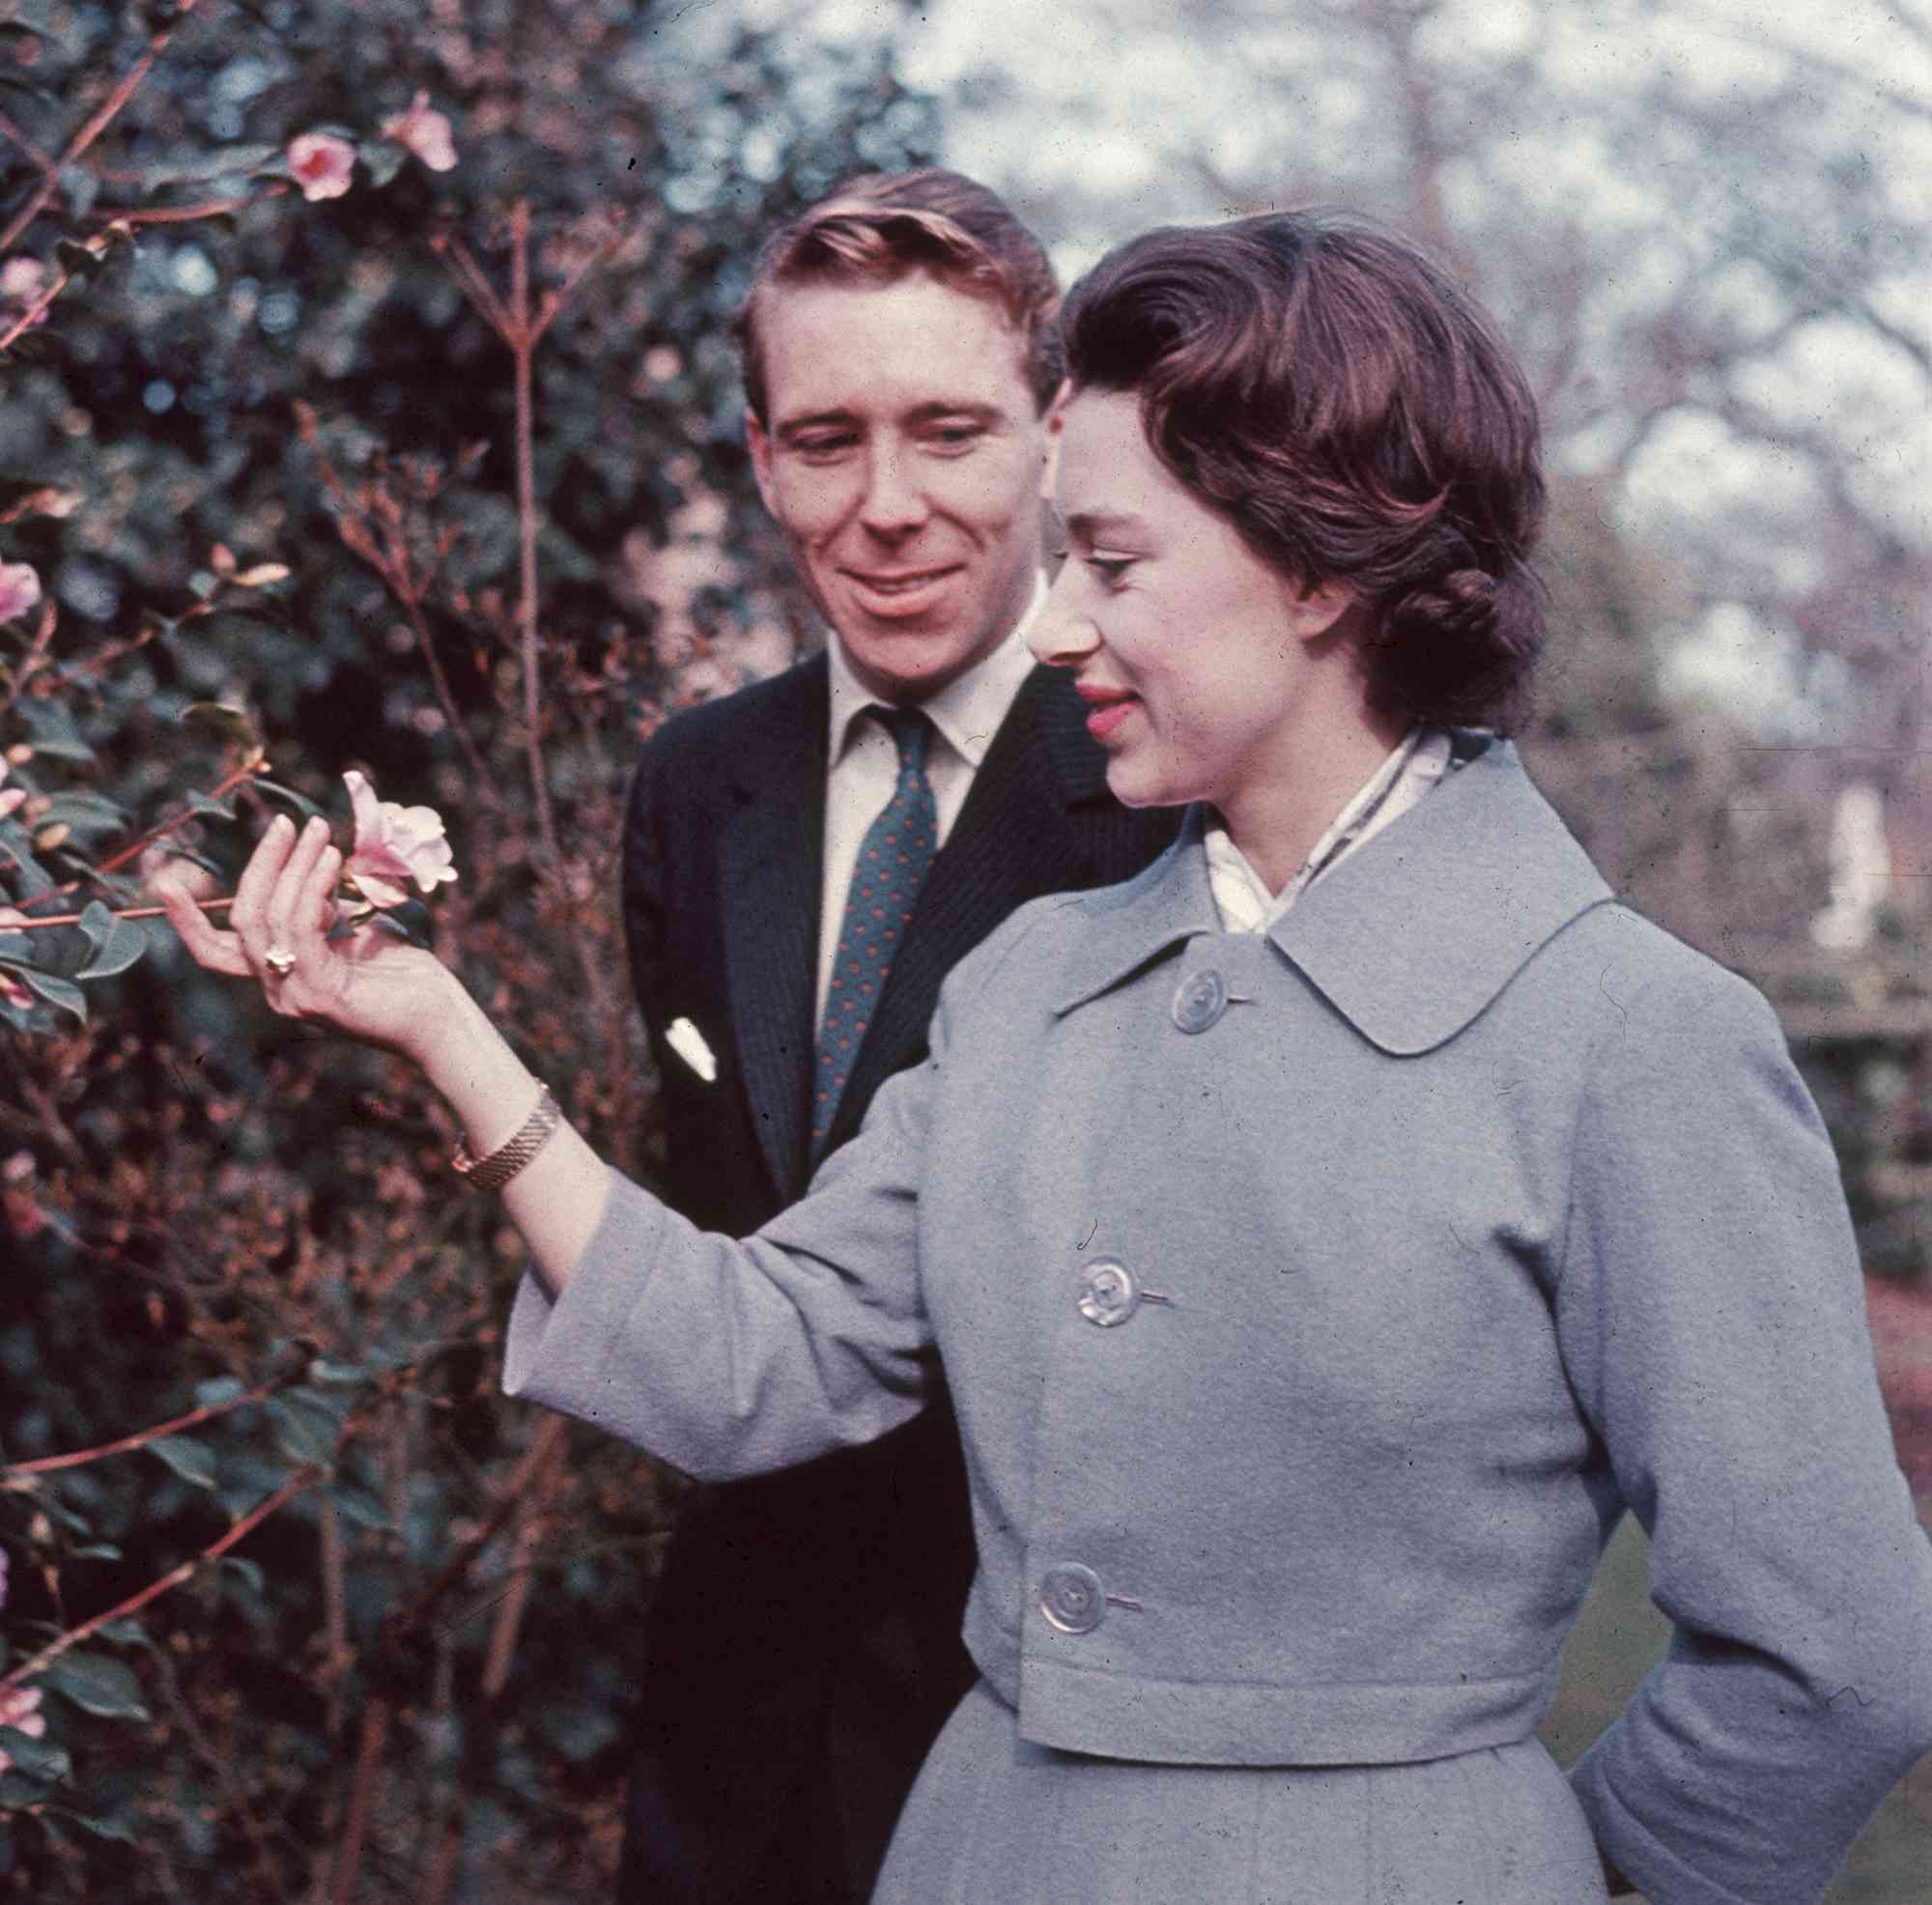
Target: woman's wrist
x=471 y=1065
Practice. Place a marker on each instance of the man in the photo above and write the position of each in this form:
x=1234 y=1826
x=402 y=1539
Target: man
x=804 y=862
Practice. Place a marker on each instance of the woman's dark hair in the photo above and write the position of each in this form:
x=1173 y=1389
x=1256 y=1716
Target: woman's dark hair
x=1325 y=386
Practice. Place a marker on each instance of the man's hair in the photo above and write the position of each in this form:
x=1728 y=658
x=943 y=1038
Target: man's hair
x=877 y=228
x=1329 y=391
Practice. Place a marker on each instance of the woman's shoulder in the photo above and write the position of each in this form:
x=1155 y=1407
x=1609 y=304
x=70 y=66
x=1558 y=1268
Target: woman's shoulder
x=1643 y=981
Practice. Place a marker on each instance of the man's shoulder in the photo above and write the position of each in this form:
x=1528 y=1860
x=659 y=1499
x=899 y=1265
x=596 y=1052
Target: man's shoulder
x=782 y=703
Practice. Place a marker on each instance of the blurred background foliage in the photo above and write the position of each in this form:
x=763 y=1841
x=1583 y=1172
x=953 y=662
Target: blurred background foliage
x=410 y=1677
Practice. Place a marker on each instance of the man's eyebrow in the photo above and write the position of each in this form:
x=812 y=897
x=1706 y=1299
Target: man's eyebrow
x=815 y=421
x=977 y=410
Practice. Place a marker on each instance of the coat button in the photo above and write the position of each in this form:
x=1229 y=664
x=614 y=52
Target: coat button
x=1201 y=1000
x=1107 y=1292
x=1071 y=1598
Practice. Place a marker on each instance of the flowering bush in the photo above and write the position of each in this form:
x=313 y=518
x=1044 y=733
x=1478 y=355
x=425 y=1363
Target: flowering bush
x=409 y=443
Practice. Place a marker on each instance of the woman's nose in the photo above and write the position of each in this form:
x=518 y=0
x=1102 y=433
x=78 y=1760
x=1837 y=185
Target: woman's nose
x=1062 y=635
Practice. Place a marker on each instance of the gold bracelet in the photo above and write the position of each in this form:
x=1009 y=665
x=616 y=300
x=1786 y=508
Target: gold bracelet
x=493 y=1173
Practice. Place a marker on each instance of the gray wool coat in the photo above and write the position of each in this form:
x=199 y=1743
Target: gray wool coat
x=1314 y=1304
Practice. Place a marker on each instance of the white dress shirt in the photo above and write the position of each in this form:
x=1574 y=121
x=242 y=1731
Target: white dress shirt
x=865 y=763
x=1240 y=895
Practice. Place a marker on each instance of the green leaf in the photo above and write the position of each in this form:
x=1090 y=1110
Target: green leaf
x=235 y=725
x=98 y=1685
x=33 y=878
x=50 y=727
x=79 y=262
x=40 y=1757
x=100 y=1550
x=411 y=921
x=101 y=1828
x=306 y=1434
x=85 y=813
x=116 y=943
x=249 y=1571
x=128 y=1631
x=193 y=1462
x=382 y=159
x=218 y=1389
x=200 y=802
x=51 y=987
x=339 y=1376
x=304 y=807
x=361 y=1506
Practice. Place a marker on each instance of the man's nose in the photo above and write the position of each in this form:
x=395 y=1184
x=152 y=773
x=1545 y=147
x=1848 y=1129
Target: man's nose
x=894 y=501
x=1062 y=635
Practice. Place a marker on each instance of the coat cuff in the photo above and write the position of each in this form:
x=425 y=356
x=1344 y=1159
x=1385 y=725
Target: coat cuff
x=556 y=1348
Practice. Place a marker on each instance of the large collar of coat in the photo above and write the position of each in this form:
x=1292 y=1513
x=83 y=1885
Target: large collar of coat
x=1409 y=938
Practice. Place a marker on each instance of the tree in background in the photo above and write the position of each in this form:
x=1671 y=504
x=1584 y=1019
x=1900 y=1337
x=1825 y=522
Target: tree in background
x=367 y=403
x=1704 y=224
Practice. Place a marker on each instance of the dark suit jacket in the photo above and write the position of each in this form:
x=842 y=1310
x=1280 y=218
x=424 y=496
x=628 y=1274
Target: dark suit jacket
x=803 y=1644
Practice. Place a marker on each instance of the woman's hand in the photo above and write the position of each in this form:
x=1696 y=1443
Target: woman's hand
x=370 y=985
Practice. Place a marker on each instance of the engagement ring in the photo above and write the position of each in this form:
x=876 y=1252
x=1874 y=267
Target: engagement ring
x=279 y=960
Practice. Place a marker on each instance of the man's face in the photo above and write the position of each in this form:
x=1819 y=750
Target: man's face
x=904 y=459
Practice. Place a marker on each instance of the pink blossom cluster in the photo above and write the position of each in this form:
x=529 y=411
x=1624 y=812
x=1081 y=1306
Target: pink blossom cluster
x=394 y=845
x=425 y=133
x=322 y=164
x=22 y=281
x=20 y=1709
x=19 y=1706
x=20 y=589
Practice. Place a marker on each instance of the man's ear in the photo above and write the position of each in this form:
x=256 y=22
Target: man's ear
x=1056 y=423
x=760 y=446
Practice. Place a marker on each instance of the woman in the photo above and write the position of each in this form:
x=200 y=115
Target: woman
x=1325 y=1235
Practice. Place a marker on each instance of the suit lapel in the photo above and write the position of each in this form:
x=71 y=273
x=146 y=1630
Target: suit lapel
x=1013 y=839
x=769 y=863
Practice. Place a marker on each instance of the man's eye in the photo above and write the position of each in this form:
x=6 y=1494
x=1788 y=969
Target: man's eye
x=819 y=449
x=955 y=437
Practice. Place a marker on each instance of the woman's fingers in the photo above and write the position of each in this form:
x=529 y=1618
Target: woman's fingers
x=250 y=915
x=220 y=952
x=290 y=914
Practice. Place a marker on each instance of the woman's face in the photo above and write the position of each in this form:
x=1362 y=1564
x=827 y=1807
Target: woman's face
x=1192 y=654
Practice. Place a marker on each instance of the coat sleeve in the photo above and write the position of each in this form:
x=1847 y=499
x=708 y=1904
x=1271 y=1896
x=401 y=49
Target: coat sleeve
x=729 y=1359
x=1711 y=1314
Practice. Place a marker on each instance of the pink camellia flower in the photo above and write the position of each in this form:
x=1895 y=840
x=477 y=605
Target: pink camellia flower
x=20 y=589
x=21 y=1710
x=22 y=280
x=425 y=133
x=321 y=164
x=394 y=845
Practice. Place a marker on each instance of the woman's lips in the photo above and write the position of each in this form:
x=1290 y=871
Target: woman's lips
x=902 y=595
x=1110 y=707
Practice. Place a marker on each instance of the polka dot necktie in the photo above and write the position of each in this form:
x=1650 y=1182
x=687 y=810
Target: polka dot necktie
x=894 y=859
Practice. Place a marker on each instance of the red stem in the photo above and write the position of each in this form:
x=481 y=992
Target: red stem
x=299 y=1483
x=45 y=1465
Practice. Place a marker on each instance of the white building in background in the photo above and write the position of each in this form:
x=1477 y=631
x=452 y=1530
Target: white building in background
x=1861 y=871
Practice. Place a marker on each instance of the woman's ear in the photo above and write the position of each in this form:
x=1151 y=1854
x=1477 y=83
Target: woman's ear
x=1056 y=423
x=1314 y=611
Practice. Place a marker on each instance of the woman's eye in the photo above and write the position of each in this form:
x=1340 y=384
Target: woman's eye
x=1109 y=568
